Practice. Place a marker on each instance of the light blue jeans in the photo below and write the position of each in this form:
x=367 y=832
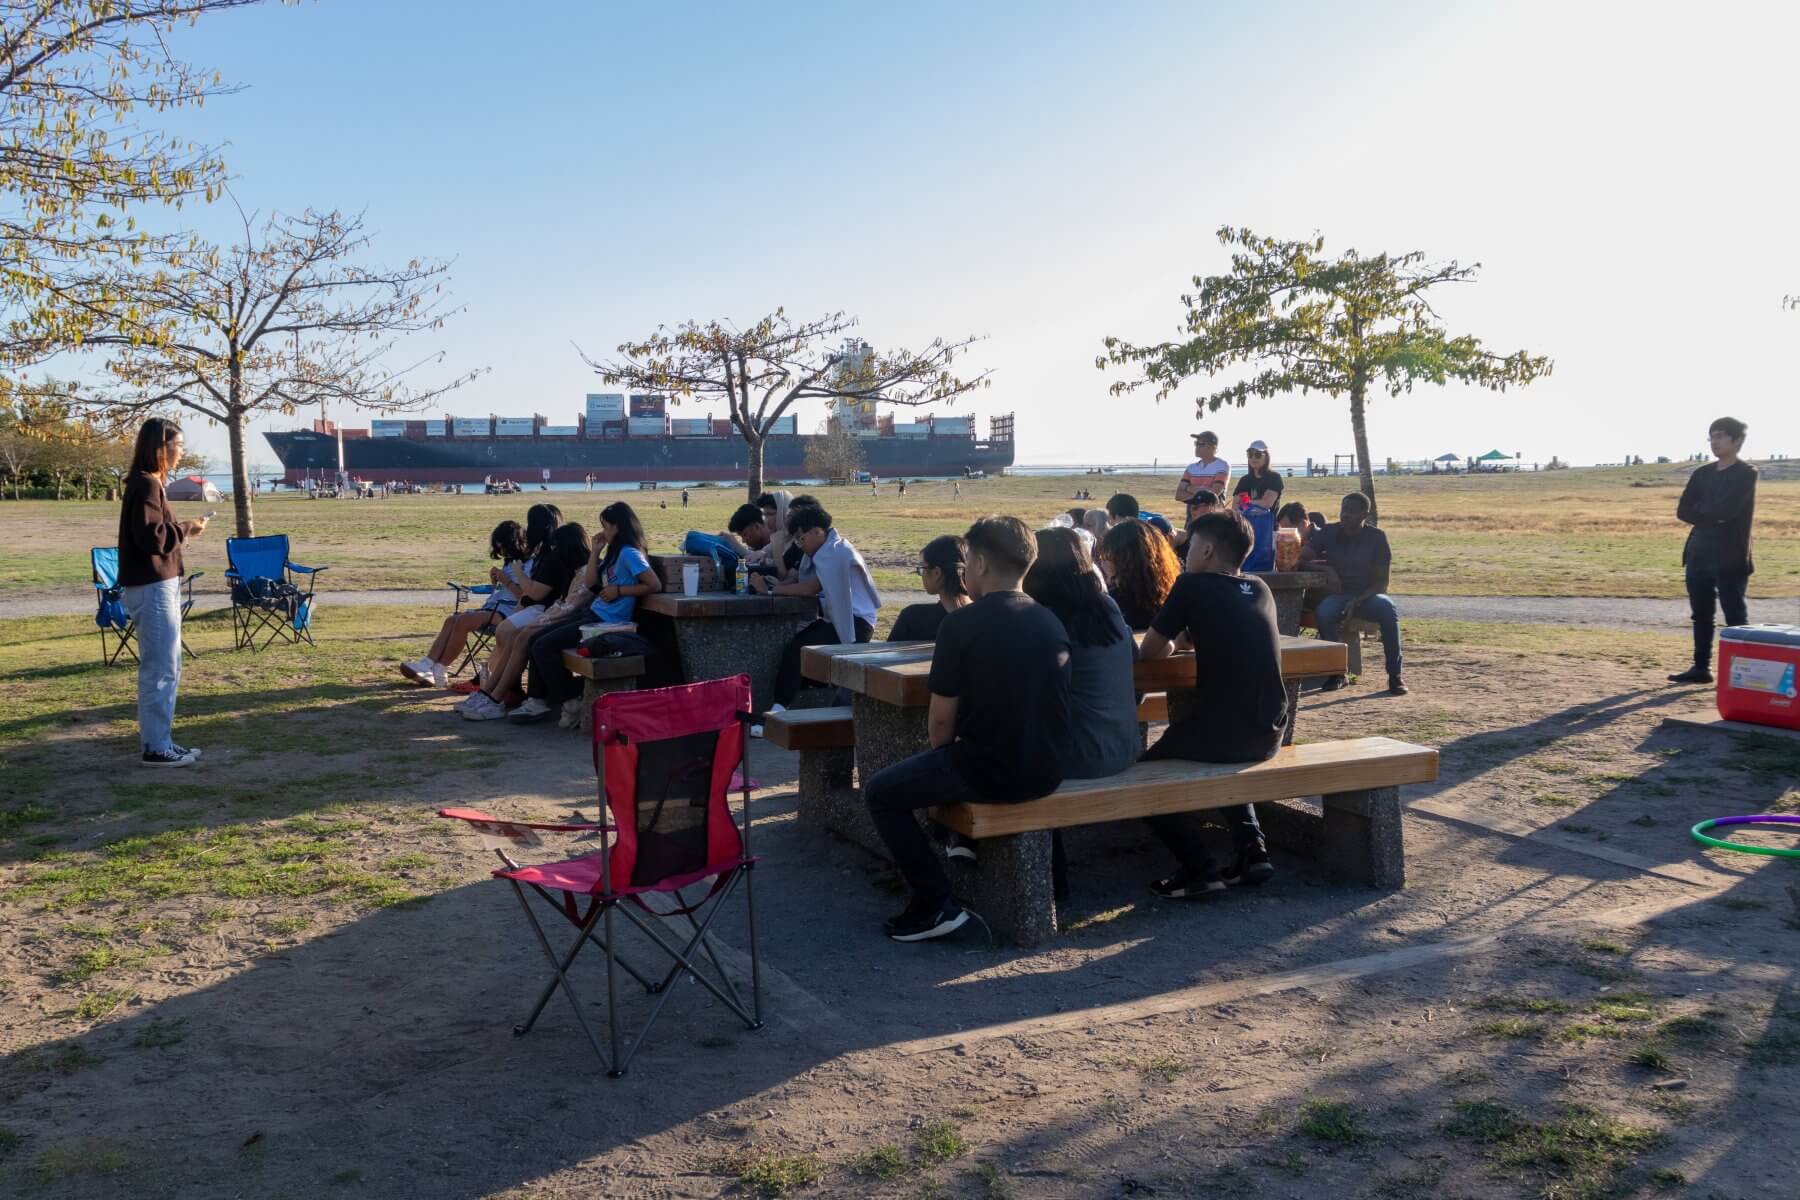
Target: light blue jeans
x=1377 y=608
x=155 y=610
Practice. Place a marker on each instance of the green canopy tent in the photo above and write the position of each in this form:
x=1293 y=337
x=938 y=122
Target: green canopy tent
x=1494 y=456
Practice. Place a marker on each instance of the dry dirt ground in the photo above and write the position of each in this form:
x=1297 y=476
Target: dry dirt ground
x=1569 y=999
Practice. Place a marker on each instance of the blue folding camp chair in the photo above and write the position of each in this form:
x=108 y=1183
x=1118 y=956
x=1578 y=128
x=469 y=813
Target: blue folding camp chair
x=264 y=593
x=117 y=631
x=481 y=638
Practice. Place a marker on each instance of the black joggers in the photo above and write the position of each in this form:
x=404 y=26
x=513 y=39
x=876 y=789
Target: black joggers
x=1704 y=587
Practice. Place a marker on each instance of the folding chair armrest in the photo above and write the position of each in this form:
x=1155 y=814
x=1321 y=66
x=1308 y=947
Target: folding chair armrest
x=306 y=570
x=190 y=578
x=475 y=814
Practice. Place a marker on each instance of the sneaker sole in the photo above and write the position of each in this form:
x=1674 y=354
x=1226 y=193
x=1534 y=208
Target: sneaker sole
x=529 y=718
x=180 y=762
x=962 y=852
x=1254 y=877
x=406 y=669
x=936 y=931
x=1217 y=893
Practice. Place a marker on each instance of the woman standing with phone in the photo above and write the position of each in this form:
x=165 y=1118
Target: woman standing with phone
x=150 y=570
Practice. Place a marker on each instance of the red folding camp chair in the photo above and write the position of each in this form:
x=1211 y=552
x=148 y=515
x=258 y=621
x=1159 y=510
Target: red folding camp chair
x=665 y=759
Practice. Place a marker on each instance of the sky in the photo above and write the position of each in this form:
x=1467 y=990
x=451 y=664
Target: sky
x=1041 y=175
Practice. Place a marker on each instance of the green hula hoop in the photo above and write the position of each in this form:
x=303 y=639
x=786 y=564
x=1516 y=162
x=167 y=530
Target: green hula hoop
x=1782 y=821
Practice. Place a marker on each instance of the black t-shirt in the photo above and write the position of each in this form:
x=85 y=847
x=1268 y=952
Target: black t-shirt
x=1254 y=486
x=917 y=623
x=546 y=569
x=1237 y=653
x=1006 y=660
x=1359 y=561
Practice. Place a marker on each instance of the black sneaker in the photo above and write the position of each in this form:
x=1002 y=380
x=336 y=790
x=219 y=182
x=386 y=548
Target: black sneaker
x=924 y=920
x=1252 y=869
x=958 y=846
x=1333 y=684
x=192 y=751
x=1693 y=675
x=173 y=757
x=1397 y=686
x=1189 y=885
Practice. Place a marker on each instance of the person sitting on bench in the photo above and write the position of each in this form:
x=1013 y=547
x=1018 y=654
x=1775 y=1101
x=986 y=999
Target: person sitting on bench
x=941 y=575
x=1359 y=555
x=747 y=533
x=1229 y=620
x=840 y=579
x=998 y=721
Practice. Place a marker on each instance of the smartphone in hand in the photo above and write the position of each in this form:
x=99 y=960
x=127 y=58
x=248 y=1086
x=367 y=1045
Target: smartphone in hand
x=209 y=514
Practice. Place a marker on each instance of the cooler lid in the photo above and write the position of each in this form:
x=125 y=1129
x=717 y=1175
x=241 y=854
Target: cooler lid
x=1768 y=635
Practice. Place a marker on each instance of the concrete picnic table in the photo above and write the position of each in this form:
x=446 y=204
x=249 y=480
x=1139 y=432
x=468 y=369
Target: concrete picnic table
x=890 y=693
x=717 y=634
x=1289 y=589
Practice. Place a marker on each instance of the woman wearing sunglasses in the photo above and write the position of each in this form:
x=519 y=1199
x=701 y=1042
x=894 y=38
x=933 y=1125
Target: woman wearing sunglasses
x=1261 y=484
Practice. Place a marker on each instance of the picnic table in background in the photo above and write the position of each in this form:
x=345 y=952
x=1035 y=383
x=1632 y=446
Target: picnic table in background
x=715 y=635
x=888 y=683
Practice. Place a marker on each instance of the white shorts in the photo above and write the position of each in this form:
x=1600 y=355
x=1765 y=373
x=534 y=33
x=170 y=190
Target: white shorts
x=525 y=618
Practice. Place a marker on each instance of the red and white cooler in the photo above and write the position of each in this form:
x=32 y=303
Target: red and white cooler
x=1759 y=667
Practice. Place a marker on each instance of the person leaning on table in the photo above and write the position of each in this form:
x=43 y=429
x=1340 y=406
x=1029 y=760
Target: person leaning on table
x=150 y=570
x=1719 y=502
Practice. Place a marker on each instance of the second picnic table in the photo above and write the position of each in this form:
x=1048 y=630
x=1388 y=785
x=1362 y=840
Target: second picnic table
x=716 y=634
x=888 y=683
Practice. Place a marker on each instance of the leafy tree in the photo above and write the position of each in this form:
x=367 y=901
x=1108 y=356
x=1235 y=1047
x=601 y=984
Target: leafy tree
x=76 y=79
x=761 y=371
x=1305 y=322
x=835 y=454
x=283 y=320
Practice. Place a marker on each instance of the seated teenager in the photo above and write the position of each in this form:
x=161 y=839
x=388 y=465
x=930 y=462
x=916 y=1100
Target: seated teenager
x=1358 y=555
x=555 y=572
x=1229 y=619
x=1198 y=505
x=941 y=575
x=1123 y=506
x=840 y=579
x=999 y=717
x=617 y=573
x=541 y=522
x=1103 y=724
x=1141 y=568
x=506 y=544
x=747 y=533
x=781 y=552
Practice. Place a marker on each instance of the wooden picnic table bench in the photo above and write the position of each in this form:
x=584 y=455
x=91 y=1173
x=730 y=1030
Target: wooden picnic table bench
x=599 y=675
x=1356 y=833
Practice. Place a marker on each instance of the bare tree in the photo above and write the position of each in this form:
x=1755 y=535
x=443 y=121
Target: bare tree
x=283 y=320
x=760 y=372
x=18 y=454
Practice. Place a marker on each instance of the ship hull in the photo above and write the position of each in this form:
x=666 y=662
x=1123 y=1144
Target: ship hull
x=308 y=455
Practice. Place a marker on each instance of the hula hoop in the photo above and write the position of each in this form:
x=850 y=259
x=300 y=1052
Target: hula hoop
x=1761 y=819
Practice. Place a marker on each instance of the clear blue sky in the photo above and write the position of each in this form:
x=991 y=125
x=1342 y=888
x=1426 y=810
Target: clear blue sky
x=1045 y=174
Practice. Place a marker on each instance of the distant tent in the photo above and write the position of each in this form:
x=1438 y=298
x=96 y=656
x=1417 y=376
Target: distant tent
x=1494 y=456
x=193 y=487
x=1446 y=458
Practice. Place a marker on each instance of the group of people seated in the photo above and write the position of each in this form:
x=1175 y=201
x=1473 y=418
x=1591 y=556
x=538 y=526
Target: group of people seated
x=552 y=579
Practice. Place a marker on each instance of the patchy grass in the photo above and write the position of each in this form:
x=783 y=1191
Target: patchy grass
x=1651 y=1056
x=778 y=1174
x=80 y=1158
x=1159 y=1066
x=1525 y=1004
x=95 y=1005
x=938 y=1141
x=1580 y=1154
x=161 y=1031
x=1336 y=1121
x=1510 y=1027
x=1601 y=946
x=886 y=1161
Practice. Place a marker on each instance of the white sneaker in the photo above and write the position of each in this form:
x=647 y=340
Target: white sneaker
x=487 y=710
x=756 y=731
x=439 y=676
x=571 y=715
x=419 y=670
x=533 y=709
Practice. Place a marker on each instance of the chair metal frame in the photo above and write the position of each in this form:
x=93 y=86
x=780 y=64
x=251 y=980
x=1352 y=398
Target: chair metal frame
x=482 y=638
x=250 y=619
x=596 y=924
x=109 y=592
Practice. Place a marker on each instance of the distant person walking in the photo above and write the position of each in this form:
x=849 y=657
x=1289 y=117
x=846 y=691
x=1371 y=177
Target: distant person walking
x=1719 y=502
x=150 y=570
x=684 y=498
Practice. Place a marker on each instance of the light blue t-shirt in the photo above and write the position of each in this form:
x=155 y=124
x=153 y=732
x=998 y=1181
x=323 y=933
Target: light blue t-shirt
x=631 y=563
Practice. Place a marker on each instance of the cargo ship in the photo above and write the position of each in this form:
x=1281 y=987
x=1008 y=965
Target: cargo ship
x=624 y=439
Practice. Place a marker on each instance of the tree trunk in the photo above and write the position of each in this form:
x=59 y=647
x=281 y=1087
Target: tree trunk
x=754 y=442
x=1360 y=430
x=240 y=476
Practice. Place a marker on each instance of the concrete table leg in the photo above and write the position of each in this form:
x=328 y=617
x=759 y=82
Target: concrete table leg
x=718 y=647
x=1287 y=609
x=592 y=690
x=827 y=785
x=1013 y=887
x=1293 y=703
x=1362 y=837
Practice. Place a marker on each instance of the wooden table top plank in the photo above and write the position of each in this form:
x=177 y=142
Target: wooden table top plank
x=897 y=673
x=725 y=604
x=1146 y=789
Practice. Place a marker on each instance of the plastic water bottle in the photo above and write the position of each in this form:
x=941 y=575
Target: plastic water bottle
x=742 y=586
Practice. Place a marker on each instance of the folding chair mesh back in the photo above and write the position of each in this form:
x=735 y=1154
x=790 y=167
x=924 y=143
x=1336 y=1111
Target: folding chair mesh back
x=665 y=758
x=264 y=595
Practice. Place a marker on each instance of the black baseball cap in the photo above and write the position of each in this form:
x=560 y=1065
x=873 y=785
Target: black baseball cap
x=1207 y=435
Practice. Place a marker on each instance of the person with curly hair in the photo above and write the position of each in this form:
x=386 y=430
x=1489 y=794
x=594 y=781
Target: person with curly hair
x=1140 y=568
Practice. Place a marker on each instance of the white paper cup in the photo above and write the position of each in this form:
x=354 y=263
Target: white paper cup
x=690 y=579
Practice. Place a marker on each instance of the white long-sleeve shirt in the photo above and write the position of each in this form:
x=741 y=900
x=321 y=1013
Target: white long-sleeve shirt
x=846 y=589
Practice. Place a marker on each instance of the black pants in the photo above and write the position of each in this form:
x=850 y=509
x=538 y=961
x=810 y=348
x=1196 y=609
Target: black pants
x=894 y=794
x=546 y=678
x=1704 y=587
x=1184 y=833
x=820 y=633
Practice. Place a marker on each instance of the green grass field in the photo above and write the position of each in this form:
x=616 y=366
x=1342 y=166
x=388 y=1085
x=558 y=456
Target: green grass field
x=1600 y=532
